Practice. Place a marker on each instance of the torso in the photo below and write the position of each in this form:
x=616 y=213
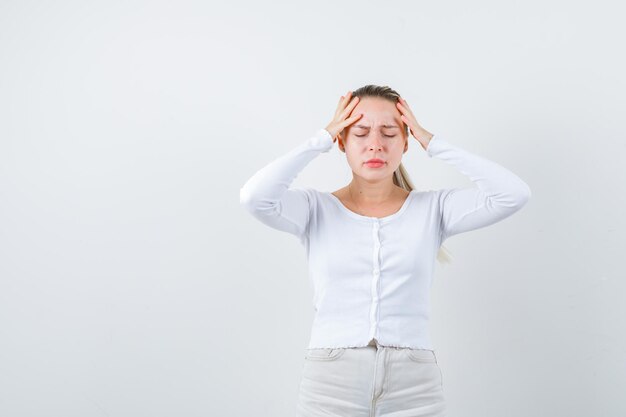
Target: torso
x=382 y=210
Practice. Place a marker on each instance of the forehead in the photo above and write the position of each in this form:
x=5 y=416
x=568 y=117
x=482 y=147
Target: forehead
x=378 y=119
x=377 y=113
x=385 y=125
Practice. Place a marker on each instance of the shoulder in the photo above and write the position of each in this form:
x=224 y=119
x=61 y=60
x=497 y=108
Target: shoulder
x=429 y=195
x=311 y=193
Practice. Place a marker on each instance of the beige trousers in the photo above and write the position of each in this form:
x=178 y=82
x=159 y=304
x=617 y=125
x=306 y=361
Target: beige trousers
x=370 y=381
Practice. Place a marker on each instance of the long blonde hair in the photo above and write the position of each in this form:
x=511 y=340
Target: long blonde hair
x=400 y=176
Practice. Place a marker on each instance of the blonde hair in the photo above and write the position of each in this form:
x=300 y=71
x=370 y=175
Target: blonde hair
x=400 y=176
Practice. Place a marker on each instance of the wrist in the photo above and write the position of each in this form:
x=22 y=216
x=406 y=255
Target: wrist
x=424 y=136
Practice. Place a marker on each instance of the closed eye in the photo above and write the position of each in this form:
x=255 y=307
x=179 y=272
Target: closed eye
x=387 y=136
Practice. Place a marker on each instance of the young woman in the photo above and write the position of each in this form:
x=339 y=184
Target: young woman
x=371 y=248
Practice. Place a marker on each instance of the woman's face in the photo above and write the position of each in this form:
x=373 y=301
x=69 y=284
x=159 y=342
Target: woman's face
x=379 y=133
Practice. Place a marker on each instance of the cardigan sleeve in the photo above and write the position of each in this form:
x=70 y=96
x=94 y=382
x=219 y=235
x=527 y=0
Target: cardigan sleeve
x=498 y=193
x=268 y=195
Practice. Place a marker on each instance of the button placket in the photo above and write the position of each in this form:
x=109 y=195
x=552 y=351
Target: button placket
x=375 y=277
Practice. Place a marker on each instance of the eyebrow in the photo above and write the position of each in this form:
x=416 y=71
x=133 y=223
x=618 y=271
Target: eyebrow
x=385 y=126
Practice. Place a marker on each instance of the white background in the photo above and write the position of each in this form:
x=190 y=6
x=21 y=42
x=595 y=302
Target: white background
x=132 y=283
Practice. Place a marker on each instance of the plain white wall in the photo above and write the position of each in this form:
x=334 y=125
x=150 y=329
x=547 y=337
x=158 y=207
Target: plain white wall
x=132 y=283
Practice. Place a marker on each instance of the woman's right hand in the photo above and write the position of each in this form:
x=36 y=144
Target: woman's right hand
x=339 y=122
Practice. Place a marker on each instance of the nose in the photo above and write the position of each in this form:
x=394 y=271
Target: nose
x=376 y=143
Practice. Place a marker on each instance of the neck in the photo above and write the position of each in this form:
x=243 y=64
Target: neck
x=371 y=193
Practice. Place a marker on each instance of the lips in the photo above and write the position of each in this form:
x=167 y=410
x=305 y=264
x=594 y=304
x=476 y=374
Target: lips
x=375 y=163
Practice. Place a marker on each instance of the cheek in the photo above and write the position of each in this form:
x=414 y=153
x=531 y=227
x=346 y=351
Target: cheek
x=396 y=152
x=354 y=158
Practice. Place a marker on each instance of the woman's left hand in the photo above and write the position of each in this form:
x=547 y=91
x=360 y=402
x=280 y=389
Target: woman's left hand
x=421 y=134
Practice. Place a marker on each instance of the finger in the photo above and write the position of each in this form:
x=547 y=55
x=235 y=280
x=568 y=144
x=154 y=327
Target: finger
x=341 y=100
x=347 y=96
x=350 y=120
x=339 y=106
x=405 y=110
x=404 y=103
x=408 y=110
x=342 y=103
x=350 y=107
x=406 y=120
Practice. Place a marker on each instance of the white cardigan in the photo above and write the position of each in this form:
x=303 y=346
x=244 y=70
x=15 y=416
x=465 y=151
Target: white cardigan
x=371 y=276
